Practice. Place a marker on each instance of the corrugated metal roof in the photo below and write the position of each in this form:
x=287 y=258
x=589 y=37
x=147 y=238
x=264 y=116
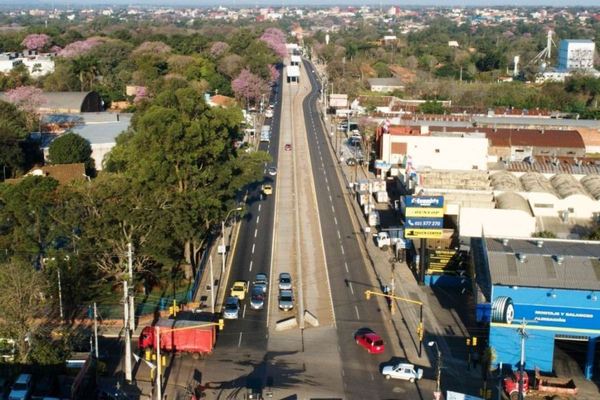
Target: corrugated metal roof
x=578 y=269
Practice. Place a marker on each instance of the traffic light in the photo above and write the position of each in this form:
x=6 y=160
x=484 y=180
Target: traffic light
x=474 y=341
x=468 y=341
x=368 y=294
x=221 y=324
x=420 y=331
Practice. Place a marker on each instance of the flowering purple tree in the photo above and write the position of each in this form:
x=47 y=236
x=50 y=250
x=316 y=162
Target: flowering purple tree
x=36 y=41
x=218 y=49
x=273 y=73
x=141 y=93
x=27 y=98
x=249 y=86
x=79 y=48
x=275 y=39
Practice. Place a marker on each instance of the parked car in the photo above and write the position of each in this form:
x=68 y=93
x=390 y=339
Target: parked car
x=404 y=371
x=21 y=389
x=285 y=280
x=272 y=171
x=287 y=147
x=269 y=113
x=370 y=341
x=257 y=297
x=232 y=308
x=261 y=279
x=286 y=300
x=239 y=289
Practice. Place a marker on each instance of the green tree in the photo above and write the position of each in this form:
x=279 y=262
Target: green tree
x=13 y=130
x=26 y=211
x=432 y=107
x=71 y=148
x=188 y=156
x=21 y=301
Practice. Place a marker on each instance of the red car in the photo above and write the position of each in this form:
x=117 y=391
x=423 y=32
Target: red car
x=370 y=341
x=287 y=147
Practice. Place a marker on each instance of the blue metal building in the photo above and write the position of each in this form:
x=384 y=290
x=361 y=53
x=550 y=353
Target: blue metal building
x=552 y=286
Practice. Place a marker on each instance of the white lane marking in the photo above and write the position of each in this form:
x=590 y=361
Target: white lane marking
x=259 y=206
x=328 y=188
x=240 y=341
x=335 y=220
x=339 y=236
x=341 y=247
x=346 y=266
x=250 y=269
x=351 y=288
x=355 y=309
x=372 y=378
x=257 y=219
x=244 y=312
x=253 y=244
x=330 y=199
x=255 y=232
x=333 y=208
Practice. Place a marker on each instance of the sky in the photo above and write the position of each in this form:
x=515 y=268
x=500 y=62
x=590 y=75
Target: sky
x=230 y=3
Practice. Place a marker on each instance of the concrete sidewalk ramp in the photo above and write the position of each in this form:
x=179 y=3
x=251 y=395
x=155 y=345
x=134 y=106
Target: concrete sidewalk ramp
x=310 y=318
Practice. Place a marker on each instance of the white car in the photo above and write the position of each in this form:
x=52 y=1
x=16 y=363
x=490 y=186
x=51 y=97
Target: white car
x=269 y=113
x=402 y=371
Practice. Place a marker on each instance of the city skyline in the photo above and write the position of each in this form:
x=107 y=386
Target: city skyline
x=304 y=3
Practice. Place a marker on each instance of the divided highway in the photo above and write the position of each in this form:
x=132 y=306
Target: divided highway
x=348 y=272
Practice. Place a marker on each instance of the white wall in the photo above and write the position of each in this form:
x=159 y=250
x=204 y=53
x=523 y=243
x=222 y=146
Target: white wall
x=495 y=223
x=439 y=152
x=99 y=152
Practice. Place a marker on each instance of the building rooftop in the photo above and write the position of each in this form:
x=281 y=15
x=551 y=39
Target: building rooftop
x=385 y=82
x=555 y=264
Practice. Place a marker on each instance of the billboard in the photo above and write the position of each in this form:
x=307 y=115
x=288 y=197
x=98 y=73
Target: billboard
x=505 y=311
x=424 y=217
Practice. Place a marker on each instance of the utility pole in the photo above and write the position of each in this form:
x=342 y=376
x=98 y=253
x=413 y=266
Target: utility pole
x=127 y=334
x=131 y=286
x=523 y=333
x=223 y=247
x=393 y=289
x=212 y=286
x=158 y=365
x=95 y=331
x=60 y=305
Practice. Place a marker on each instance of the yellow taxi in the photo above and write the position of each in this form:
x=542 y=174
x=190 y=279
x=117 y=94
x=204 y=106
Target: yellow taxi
x=239 y=289
x=267 y=189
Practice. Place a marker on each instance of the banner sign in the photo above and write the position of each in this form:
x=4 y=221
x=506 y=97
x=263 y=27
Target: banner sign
x=424 y=201
x=423 y=233
x=424 y=222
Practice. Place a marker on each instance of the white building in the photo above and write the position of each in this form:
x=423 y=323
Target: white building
x=576 y=55
x=37 y=64
x=436 y=150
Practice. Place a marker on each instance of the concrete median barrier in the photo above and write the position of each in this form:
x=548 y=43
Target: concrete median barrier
x=285 y=324
x=310 y=318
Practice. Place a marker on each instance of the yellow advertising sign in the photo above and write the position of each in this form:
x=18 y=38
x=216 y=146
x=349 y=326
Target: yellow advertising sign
x=423 y=233
x=424 y=212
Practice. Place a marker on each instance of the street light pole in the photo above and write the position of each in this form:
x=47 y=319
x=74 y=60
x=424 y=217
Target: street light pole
x=212 y=286
x=223 y=237
x=438 y=392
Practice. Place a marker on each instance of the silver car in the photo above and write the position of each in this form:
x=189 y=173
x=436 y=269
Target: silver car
x=286 y=300
x=232 y=308
x=285 y=281
x=262 y=280
x=257 y=297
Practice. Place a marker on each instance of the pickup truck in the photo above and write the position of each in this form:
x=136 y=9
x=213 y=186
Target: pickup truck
x=404 y=371
x=389 y=237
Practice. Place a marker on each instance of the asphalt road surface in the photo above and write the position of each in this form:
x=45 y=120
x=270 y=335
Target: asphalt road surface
x=348 y=273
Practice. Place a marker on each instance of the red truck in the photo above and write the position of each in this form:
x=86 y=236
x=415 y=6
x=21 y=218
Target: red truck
x=180 y=336
x=543 y=385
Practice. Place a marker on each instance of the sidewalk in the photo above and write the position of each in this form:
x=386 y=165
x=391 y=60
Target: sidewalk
x=442 y=324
